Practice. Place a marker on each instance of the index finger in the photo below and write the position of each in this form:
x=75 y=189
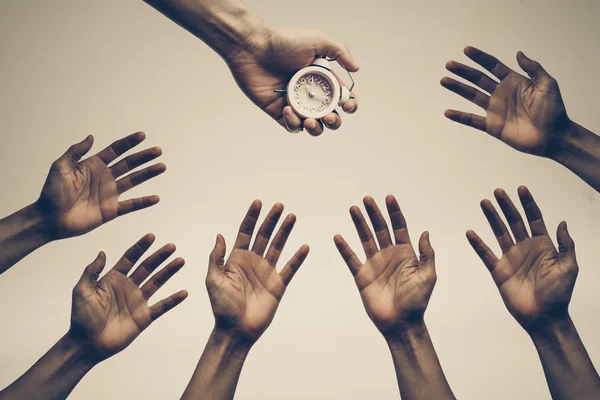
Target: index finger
x=247 y=226
x=492 y=64
x=117 y=148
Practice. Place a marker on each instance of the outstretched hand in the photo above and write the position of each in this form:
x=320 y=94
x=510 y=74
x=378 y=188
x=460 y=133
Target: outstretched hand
x=271 y=60
x=79 y=196
x=534 y=278
x=528 y=114
x=395 y=285
x=108 y=314
x=245 y=290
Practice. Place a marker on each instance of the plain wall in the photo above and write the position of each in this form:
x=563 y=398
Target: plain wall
x=110 y=68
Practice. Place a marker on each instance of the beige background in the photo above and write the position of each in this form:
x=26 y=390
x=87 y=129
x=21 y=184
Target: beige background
x=110 y=68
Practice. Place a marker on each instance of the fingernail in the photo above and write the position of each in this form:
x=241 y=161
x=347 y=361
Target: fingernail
x=311 y=124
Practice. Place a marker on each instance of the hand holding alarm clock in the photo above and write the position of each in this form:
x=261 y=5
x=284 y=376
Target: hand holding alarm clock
x=314 y=91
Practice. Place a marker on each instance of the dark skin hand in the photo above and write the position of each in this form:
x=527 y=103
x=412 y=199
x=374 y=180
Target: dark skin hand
x=536 y=281
x=245 y=290
x=108 y=314
x=395 y=285
x=79 y=196
x=527 y=113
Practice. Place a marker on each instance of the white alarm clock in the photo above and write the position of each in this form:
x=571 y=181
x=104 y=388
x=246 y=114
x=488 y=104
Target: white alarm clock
x=314 y=91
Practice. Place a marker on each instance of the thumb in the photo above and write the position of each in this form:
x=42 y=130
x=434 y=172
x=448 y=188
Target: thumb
x=336 y=50
x=217 y=256
x=426 y=254
x=566 y=245
x=536 y=72
x=76 y=152
x=91 y=273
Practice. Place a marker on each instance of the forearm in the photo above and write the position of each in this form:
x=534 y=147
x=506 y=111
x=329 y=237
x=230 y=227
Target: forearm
x=53 y=377
x=418 y=369
x=227 y=26
x=579 y=151
x=218 y=370
x=20 y=234
x=569 y=371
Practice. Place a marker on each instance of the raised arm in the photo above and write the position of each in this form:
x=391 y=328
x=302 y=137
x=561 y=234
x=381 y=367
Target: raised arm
x=395 y=287
x=106 y=316
x=536 y=283
x=79 y=196
x=260 y=58
x=527 y=113
x=244 y=292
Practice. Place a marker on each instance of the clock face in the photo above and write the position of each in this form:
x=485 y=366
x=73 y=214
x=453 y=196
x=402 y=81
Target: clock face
x=312 y=93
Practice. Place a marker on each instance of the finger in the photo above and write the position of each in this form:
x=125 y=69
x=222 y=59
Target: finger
x=288 y=272
x=483 y=251
x=350 y=106
x=91 y=273
x=292 y=121
x=472 y=120
x=247 y=227
x=148 y=266
x=347 y=254
x=513 y=217
x=536 y=72
x=470 y=93
x=133 y=254
x=336 y=50
x=135 y=160
x=492 y=64
x=313 y=127
x=399 y=227
x=76 y=152
x=379 y=225
x=165 y=305
x=426 y=254
x=566 y=245
x=217 y=255
x=139 y=177
x=131 y=205
x=121 y=146
x=472 y=75
x=502 y=235
x=280 y=239
x=332 y=121
x=266 y=229
x=364 y=232
x=161 y=277
x=533 y=213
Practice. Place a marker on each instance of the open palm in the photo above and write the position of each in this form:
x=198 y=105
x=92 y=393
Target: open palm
x=79 y=196
x=528 y=114
x=245 y=290
x=108 y=314
x=535 y=280
x=270 y=63
x=394 y=284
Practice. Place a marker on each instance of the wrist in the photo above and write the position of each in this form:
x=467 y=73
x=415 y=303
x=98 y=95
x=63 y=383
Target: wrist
x=75 y=354
x=38 y=224
x=228 y=344
x=407 y=336
x=555 y=333
x=572 y=143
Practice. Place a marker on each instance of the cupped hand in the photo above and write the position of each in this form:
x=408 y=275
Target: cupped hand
x=528 y=114
x=245 y=290
x=395 y=285
x=108 y=314
x=534 y=278
x=270 y=61
x=79 y=196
